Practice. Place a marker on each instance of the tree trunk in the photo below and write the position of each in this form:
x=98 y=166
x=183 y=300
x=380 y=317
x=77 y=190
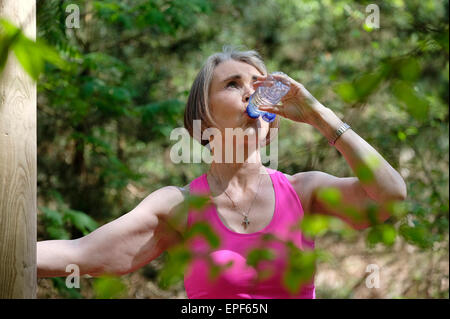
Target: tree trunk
x=18 y=164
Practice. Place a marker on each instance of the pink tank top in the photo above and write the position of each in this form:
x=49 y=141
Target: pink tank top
x=239 y=280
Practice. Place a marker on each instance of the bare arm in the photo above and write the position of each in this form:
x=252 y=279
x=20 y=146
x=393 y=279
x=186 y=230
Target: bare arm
x=121 y=246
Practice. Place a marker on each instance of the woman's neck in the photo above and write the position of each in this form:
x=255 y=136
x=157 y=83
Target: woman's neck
x=238 y=176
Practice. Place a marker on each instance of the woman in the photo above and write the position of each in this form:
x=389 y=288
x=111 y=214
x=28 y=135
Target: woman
x=249 y=200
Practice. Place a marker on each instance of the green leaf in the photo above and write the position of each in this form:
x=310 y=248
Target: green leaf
x=384 y=233
x=9 y=34
x=365 y=170
x=442 y=39
x=174 y=267
x=51 y=55
x=54 y=223
x=330 y=195
x=204 y=229
x=60 y=284
x=301 y=268
x=109 y=287
x=255 y=256
x=416 y=105
x=367 y=28
x=314 y=225
x=388 y=234
x=364 y=173
x=409 y=69
x=214 y=271
x=57 y=232
x=52 y=216
x=353 y=213
x=398 y=209
x=418 y=235
x=401 y=136
x=197 y=201
x=367 y=83
x=347 y=92
x=30 y=56
x=80 y=220
x=362 y=86
x=372 y=210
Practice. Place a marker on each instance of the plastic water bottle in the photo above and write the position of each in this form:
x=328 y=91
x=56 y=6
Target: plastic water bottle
x=267 y=95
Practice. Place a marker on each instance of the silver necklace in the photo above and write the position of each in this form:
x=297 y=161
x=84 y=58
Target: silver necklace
x=245 y=221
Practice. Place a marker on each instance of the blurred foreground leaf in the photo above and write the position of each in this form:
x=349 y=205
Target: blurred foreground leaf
x=384 y=233
x=109 y=287
x=32 y=55
x=416 y=105
x=174 y=269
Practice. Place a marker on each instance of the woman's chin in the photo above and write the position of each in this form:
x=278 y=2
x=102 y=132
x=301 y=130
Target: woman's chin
x=252 y=130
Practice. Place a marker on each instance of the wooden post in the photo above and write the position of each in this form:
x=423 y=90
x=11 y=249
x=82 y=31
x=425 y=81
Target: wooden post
x=18 y=164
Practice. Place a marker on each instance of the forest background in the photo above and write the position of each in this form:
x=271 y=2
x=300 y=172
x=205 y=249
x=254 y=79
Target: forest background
x=113 y=88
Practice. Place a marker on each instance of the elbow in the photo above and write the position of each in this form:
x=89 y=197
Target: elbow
x=402 y=192
x=399 y=195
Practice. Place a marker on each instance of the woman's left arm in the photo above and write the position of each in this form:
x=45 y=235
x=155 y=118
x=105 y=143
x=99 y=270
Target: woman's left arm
x=386 y=183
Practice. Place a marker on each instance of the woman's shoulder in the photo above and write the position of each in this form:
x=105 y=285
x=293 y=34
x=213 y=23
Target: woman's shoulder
x=172 y=199
x=302 y=183
x=172 y=196
x=295 y=178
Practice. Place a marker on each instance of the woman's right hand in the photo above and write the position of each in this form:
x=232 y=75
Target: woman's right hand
x=121 y=246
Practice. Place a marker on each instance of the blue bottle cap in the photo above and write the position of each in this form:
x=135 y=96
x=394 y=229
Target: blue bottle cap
x=254 y=113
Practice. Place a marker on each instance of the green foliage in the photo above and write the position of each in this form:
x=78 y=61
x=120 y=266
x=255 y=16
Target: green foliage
x=365 y=172
x=32 y=55
x=301 y=267
x=175 y=266
x=317 y=225
x=255 y=256
x=205 y=230
x=330 y=195
x=109 y=287
x=385 y=234
x=196 y=201
x=179 y=257
x=360 y=88
x=110 y=93
x=8 y=37
x=415 y=104
x=80 y=220
x=58 y=221
x=60 y=285
x=419 y=234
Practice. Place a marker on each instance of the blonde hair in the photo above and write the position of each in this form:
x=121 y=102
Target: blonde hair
x=197 y=105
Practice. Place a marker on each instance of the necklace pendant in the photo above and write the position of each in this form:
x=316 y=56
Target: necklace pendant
x=245 y=222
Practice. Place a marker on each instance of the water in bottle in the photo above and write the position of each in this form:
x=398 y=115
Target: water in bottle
x=267 y=95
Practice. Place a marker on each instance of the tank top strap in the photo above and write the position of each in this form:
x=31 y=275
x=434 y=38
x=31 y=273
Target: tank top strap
x=290 y=203
x=198 y=187
x=288 y=197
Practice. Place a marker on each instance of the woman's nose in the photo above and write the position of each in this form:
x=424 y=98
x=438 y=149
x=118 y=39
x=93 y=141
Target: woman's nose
x=248 y=93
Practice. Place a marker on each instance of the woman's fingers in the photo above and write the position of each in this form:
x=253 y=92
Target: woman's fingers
x=271 y=79
x=282 y=78
x=257 y=84
x=269 y=108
